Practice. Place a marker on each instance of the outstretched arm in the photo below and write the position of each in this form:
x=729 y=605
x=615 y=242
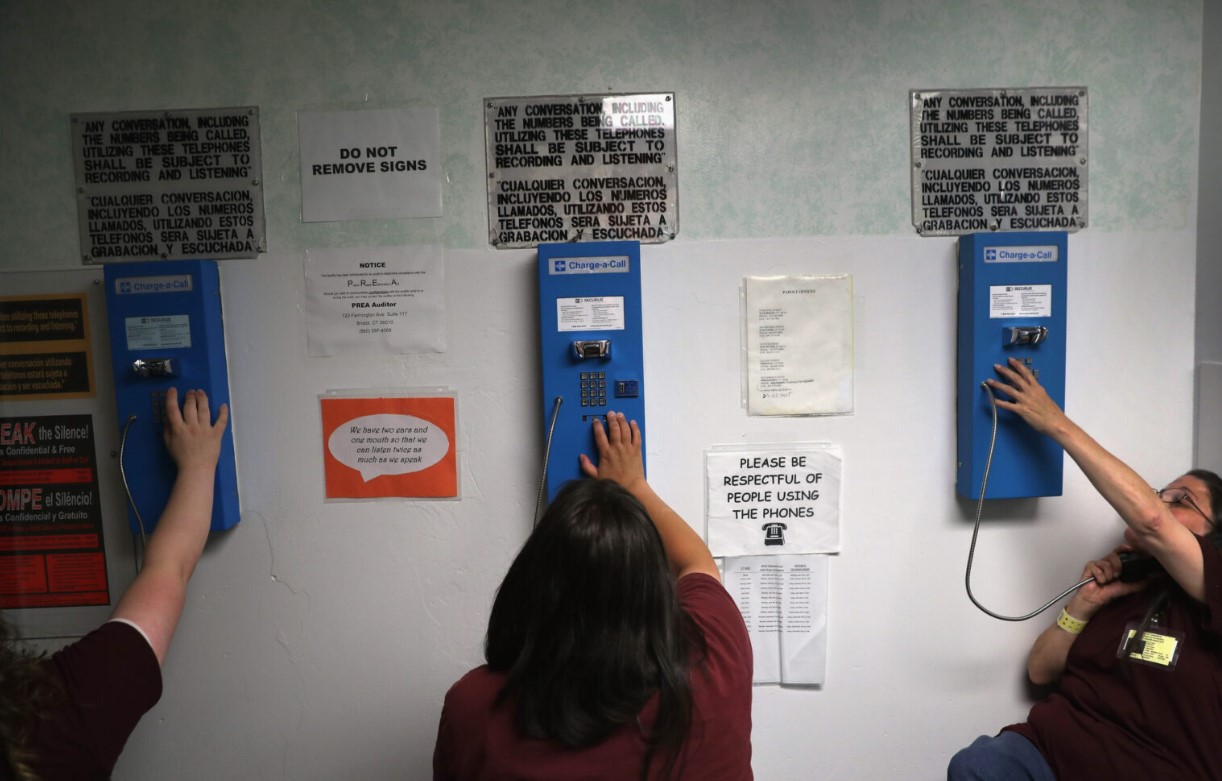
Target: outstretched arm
x=1153 y=529
x=619 y=459
x=155 y=599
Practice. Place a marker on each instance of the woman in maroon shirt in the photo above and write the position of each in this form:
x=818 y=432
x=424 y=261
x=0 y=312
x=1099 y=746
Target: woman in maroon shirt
x=613 y=650
x=1137 y=663
x=69 y=716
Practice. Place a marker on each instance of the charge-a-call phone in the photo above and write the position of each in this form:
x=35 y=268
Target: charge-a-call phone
x=1012 y=296
x=1012 y=299
x=166 y=329
x=590 y=346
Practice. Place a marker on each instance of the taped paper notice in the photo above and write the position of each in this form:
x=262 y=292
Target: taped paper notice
x=799 y=338
x=783 y=600
x=774 y=499
x=375 y=300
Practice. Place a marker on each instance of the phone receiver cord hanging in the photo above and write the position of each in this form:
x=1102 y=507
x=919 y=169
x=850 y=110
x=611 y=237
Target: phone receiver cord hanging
x=127 y=488
x=547 y=454
x=976 y=530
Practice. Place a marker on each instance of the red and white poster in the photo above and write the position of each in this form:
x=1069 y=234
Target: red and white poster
x=51 y=543
x=390 y=447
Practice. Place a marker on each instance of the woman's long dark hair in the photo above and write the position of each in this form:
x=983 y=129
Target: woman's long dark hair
x=27 y=692
x=587 y=626
x=1214 y=483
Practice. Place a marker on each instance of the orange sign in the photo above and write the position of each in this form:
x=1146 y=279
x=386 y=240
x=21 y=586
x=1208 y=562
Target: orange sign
x=390 y=447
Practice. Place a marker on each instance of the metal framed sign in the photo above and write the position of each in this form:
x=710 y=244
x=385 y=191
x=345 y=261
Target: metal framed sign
x=999 y=160
x=180 y=184
x=581 y=168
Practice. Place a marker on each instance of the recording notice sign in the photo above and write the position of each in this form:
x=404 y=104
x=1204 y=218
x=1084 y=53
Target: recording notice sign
x=999 y=160
x=45 y=351
x=176 y=184
x=581 y=168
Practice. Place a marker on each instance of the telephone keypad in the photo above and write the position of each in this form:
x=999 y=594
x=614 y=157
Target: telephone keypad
x=157 y=398
x=593 y=389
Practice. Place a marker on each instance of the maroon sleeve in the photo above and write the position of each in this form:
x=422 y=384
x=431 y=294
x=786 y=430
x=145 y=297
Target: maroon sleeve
x=712 y=608
x=444 y=748
x=469 y=724
x=1212 y=555
x=111 y=678
x=719 y=744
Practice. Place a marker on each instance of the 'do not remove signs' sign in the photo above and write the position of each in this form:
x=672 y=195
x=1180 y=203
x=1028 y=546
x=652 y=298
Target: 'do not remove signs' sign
x=999 y=160
x=581 y=168
x=370 y=164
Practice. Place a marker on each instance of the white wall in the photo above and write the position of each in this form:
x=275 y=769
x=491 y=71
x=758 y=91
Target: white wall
x=319 y=638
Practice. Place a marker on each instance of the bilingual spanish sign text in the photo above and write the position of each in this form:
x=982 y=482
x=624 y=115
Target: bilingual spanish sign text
x=581 y=168
x=999 y=160
x=156 y=185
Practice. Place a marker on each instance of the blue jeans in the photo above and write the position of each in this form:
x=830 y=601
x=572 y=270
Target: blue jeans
x=1007 y=757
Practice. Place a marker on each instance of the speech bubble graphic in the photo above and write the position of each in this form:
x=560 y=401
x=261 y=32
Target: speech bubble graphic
x=377 y=445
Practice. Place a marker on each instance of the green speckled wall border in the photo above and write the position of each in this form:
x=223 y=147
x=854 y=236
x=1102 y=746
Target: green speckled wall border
x=792 y=114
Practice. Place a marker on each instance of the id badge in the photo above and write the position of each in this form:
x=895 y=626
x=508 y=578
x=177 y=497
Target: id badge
x=1157 y=649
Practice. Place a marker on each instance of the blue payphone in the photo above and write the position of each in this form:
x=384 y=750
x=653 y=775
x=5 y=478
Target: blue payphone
x=590 y=346
x=1012 y=294
x=166 y=329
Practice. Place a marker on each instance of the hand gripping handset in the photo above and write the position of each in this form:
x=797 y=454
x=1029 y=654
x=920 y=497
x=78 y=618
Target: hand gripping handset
x=1136 y=566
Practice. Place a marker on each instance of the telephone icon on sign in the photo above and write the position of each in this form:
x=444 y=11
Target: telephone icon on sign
x=774 y=533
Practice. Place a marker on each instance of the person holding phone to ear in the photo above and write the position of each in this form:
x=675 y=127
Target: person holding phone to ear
x=68 y=716
x=1137 y=665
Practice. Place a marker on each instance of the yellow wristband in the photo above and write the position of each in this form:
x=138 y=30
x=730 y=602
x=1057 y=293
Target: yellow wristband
x=1070 y=624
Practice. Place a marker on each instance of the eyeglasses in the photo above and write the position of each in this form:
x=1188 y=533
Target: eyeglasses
x=1181 y=496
